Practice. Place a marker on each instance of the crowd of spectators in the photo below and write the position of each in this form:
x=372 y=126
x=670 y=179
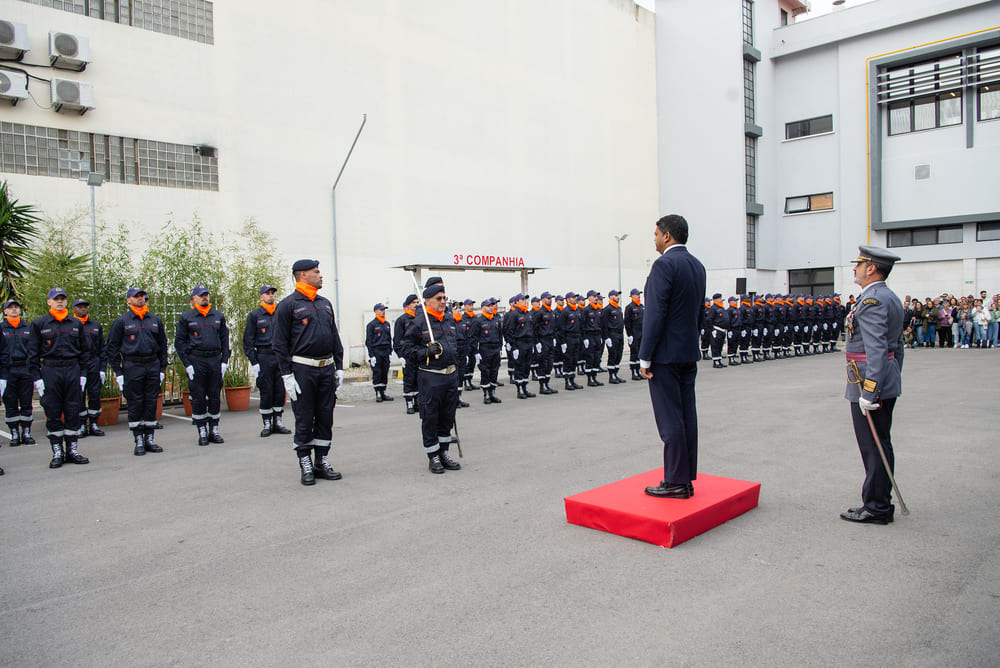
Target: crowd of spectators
x=952 y=322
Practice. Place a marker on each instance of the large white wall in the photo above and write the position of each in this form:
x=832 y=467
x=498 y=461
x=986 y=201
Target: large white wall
x=525 y=127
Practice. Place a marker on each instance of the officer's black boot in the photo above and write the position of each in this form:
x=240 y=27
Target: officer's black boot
x=151 y=445
x=214 y=436
x=140 y=443
x=592 y=380
x=486 y=395
x=73 y=456
x=521 y=394
x=717 y=364
x=202 y=434
x=462 y=403
x=93 y=430
x=57 y=453
x=266 y=431
x=277 y=427
x=322 y=469
x=447 y=461
x=410 y=406
x=705 y=355
x=378 y=396
x=434 y=462
x=528 y=393
x=568 y=381
x=26 y=434
x=82 y=431
x=306 y=467
x=15 y=434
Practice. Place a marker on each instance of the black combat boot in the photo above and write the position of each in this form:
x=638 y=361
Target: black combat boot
x=732 y=361
x=278 y=428
x=306 y=467
x=592 y=380
x=434 y=463
x=15 y=434
x=543 y=388
x=462 y=403
x=93 y=429
x=214 y=436
x=26 y=434
x=568 y=380
x=486 y=396
x=140 y=443
x=151 y=445
x=202 y=434
x=410 y=407
x=447 y=461
x=73 y=456
x=57 y=453
x=534 y=374
x=717 y=364
x=638 y=376
x=521 y=393
x=324 y=470
x=378 y=396
x=705 y=355
x=494 y=399
x=557 y=370
x=82 y=431
x=266 y=431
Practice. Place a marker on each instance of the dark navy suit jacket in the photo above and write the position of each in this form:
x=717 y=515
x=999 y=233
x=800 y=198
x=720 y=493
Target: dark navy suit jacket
x=675 y=298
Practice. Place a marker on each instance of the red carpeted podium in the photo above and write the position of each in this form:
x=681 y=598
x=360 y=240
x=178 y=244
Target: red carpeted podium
x=624 y=509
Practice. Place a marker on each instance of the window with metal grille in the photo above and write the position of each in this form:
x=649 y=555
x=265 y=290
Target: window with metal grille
x=751 y=242
x=189 y=19
x=748 y=22
x=750 y=155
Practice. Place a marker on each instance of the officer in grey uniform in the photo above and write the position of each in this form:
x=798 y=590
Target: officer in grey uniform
x=874 y=366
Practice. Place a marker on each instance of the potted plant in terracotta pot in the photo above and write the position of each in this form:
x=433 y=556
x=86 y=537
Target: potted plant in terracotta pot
x=111 y=400
x=236 y=382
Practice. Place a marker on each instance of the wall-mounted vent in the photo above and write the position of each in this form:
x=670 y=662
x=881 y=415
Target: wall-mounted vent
x=68 y=51
x=72 y=95
x=14 y=41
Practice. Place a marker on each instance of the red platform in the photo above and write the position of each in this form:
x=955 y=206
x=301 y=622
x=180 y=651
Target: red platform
x=624 y=509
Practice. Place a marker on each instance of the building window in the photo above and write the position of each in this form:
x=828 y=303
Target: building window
x=988 y=231
x=751 y=242
x=810 y=281
x=748 y=22
x=987 y=71
x=810 y=126
x=923 y=96
x=750 y=156
x=189 y=19
x=925 y=236
x=40 y=151
x=783 y=17
x=925 y=113
x=749 y=114
x=805 y=203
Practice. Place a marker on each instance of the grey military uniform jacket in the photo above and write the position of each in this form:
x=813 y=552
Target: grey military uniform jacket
x=874 y=329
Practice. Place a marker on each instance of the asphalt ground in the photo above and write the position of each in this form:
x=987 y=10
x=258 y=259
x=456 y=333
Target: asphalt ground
x=218 y=556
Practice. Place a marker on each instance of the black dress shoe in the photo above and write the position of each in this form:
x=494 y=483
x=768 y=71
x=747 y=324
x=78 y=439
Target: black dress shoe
x=666 y=490
x=325 y=471
x=435 y=465
x=863 y=516
x=448 y=462
x=860 y=509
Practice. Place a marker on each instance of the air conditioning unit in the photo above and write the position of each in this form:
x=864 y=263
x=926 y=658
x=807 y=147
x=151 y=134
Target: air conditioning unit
x=75 y=95
x=13 y=86
x=68 y=51
x=14 y=41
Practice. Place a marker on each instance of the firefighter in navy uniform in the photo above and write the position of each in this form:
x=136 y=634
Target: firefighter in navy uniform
x=409 y=366
x=58 y=357
x=734 y=332
x=378 y=343
x=15 y=377
x=757 y=331
x=634 y=313
x=612 y=324
x=746 y=329
x=461 y=351
x=436 y=351
x=572 y=327
x=257 y=335
x=717 y=322
x=90 y=410
x=557 y=352
x=485 y=343
x=707 y=333
x=543 y=322
x=468 y=318
x=593 y=341
x=519 y=333
x=202 y=344
x=797 y=322
x=311 y=359
x=837 y=324
x=532 y=354
x=137 y=353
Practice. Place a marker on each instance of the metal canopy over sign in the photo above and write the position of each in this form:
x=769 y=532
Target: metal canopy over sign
x=417 y=262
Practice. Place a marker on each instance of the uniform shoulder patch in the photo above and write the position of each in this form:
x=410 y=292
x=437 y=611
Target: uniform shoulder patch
x=871 y=301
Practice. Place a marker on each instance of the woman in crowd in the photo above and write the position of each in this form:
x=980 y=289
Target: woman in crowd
x=993 y=331
x=930 y=323
x=964 y=322
x=917 y=322
x=944 y=317
x=981 y=321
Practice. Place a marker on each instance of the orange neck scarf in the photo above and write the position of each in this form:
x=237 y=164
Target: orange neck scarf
x=203 y=309
x=14 y=322
x=488 y=316
x=83 y=319
x=572 y=306
x=718 y=302
x=435 y=314
x=59 y=315
x=410 y=312
x=306 y=289
x=380 y=318
x=524 y=309
x=141 y=312
x=268 y=307
x=456 y=316
x=637 y=301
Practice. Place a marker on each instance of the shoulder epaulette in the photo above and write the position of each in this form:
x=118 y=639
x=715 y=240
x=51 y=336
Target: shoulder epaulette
x=871 y=301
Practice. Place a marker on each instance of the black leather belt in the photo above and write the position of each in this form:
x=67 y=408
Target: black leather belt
x=206 y=353
x=18 y=363
x=264 y=351
x=59 y=362
x=141 y=359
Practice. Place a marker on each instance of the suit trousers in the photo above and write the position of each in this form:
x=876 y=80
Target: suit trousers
x=877 y=490
x=142 y=388
x=62 y=400
x=671 y=391
x=314 y=406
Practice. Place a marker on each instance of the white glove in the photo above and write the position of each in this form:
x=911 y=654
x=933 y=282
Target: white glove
x=255 y=369
x=586 y=343
x=796 y=328
x=40 y=386
x=867 y=405
x=630 y=338
x=755 y=331
x=554 y=343
x=103 y=376
x=538 y=347
x=224 y=365
x=190 y=372
x=121 y=382
x=729 y=334
x=371 y=360
x=507 y=346
x=291 y=386
x=83 y=383
x=340 y=378
x=3 y=387
x=607 y=342
x=479 y=358
x=162 y=376
x=563 y=347
x=515 y=353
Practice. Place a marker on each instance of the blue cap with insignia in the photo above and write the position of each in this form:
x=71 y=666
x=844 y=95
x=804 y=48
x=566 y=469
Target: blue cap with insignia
x=198 y=290
x=133 y=292
x=57 y=292
x=378 y=307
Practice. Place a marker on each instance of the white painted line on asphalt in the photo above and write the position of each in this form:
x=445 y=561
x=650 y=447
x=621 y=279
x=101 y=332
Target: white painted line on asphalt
x=178 y=417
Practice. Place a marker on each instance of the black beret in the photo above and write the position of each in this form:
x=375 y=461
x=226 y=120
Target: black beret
x=434 y=280
x=409 y=299
x=433 y=290
x=304 y=265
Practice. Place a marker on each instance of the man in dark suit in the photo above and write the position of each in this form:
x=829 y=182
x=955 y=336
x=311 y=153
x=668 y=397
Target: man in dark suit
x=669 y=354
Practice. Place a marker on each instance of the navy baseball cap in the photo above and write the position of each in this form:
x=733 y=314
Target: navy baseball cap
x=132 y=292
x=570 y=294
x=467 y=302
x=9 y=302
x=267 y=288
x=635 y=291
x=516 y=298
x=733 y=299
x=592 y=293
x=559 y=298
x=489 y=301
x=378 y=306
x=304 y=265
x=535 y=299
x=78 y=302
x=612 y=293
x=198 y=290
x=717 y=295
x=57 y=292
x=546 y=295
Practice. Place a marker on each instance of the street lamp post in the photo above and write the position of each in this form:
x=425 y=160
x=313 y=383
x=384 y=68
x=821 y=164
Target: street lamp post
x=94 y=180
x=620 y=240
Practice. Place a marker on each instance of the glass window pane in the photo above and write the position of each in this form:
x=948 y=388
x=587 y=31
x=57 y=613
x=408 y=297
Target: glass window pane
x=796 y=204
x=820 y=125
x=899 y=118
x=989 y=102
x=988 y=232
x=950 y=235
x=900 y=238
x=821 y=202
x=924 y=113
x=924 y=236
x=951 y=109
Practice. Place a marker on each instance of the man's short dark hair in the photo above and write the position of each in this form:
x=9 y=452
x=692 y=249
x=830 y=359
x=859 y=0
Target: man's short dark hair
x=884 y=269
x=676 y=226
